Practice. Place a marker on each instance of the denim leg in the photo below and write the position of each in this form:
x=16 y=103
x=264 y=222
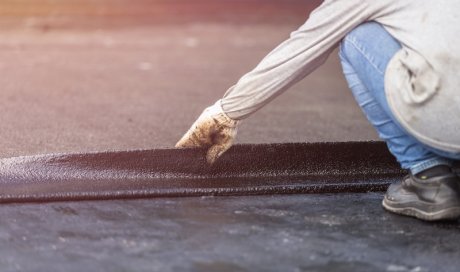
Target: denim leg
x=364 y=54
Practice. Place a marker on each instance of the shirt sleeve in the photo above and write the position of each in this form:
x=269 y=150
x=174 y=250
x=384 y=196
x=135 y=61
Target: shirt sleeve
x=307 y=48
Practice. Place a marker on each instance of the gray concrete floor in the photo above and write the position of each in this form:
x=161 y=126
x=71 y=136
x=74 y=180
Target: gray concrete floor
x=341 y=232
x=83 y=75
x=141 y=86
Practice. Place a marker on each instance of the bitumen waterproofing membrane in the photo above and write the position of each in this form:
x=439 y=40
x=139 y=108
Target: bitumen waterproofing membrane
x=243 y=170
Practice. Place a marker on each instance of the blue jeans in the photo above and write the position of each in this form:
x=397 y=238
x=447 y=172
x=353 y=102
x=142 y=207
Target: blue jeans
x=364 y=54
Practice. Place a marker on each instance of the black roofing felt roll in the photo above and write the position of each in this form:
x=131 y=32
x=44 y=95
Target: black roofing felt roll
x=244 y=170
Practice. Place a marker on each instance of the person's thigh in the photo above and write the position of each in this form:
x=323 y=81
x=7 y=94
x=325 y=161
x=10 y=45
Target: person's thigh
x=369 y=48
x=365 y=53
x=373 y=48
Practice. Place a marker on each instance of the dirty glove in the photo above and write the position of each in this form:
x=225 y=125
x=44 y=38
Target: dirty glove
x=214 y=130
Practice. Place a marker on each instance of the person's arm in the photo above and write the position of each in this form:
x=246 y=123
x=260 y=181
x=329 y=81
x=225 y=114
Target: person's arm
x=305 y=50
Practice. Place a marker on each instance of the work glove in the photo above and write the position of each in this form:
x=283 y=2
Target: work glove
x=214 y=130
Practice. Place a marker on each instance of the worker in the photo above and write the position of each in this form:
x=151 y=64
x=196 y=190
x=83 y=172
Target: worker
x=401 y=60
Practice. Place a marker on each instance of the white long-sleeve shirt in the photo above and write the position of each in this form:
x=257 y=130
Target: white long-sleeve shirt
x=422 y=81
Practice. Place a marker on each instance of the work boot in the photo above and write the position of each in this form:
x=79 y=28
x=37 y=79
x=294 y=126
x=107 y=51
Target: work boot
x=425 y=197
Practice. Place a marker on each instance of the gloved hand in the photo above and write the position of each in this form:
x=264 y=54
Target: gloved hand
x=213 y=129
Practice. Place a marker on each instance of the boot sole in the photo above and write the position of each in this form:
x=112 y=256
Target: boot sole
x=451 y=213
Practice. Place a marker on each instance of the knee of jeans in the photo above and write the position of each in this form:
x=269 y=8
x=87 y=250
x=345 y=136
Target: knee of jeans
x=363 y=31
x=360 y=33
x=341 y=51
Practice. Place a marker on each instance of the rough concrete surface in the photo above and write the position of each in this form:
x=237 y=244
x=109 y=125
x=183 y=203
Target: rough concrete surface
x=97 y=88
x=98 y=75
x=330 y=232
